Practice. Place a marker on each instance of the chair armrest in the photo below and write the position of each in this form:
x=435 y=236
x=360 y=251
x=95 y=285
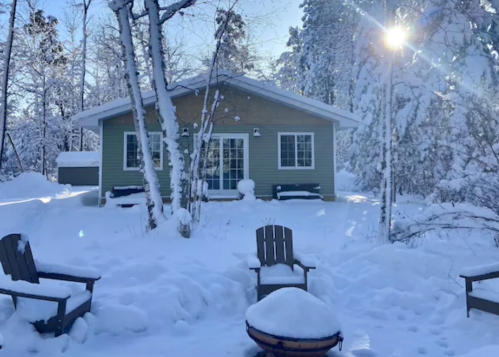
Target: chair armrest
x=481 y=272
x=34 y=291
x=304 y=261
x=253 y=262
x=66 y=277
x=66 y=273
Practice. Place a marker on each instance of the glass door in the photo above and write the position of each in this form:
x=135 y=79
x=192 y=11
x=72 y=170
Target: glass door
x=227 y=163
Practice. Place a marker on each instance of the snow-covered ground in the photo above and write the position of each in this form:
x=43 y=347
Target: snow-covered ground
x=162 y=295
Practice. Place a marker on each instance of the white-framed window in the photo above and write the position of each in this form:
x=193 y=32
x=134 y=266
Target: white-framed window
x=296 y=151
x=131 y=160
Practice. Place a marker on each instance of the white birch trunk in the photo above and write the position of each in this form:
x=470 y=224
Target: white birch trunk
x=5 y=78
x=166 y=112
x=86 y=5
x=153 y=197
x=386 y=165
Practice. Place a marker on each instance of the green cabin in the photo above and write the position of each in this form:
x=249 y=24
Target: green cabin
x=263 y=133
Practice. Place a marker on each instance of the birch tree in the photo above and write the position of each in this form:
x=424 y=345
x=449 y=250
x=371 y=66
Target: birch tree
x=151 y=187
x=5 y=79
x=205 y=128
x=165 y=109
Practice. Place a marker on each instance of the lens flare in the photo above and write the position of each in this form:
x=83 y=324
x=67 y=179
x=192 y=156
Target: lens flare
x=395 y=37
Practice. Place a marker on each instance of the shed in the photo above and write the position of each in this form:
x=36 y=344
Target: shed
x=78 y=168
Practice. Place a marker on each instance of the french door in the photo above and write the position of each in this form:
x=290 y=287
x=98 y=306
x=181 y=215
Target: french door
x=227 y=163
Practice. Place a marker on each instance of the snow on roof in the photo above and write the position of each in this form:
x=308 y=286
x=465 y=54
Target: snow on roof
x=90 y=118
x=79 y=159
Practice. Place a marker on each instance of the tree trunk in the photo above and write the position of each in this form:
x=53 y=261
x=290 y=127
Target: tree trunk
x=206 y=127
x=167 y=118
x=86 y=5
x=44 y=129
x=19 y=162
x=153 y=197
x=386 y=165
x=5 y=79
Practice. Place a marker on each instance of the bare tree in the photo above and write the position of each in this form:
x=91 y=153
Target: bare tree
x=5 y=78
x=85 y=6
x=205 y=128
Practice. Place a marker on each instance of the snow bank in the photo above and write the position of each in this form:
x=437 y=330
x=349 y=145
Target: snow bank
x=295 y=313
x=31 y=185
x=116 y=319
x=247 y=189
x=347 y=181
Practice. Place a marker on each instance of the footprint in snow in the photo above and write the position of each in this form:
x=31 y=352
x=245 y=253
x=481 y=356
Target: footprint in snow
x=363 y=352
x=443 y=343
x=434 y=331
x=413 y=328
x=449 y=353
x=422 y=350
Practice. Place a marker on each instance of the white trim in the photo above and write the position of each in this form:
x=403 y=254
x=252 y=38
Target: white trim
x=334 y=159
x=101 y=140
x=245 y=137
x=296 y=167
x=125 y=168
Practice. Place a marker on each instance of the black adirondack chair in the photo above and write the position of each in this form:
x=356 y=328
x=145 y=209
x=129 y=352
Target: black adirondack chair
x=275 y=246
x=477 y=299
x=17 y=261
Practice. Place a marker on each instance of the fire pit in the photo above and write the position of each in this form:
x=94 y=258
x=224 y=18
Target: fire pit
x=293 y=323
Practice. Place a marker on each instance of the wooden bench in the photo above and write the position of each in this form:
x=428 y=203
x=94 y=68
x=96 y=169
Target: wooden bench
x=275 y=261
x=17 y=261
x=481 y=299
x=304 y=191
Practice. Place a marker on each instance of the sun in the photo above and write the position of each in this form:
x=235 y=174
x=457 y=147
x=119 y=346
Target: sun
x=395 y=37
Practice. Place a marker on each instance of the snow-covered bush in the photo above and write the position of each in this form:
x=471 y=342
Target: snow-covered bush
x=247 y=189
x=347 y=181
x=441 y=217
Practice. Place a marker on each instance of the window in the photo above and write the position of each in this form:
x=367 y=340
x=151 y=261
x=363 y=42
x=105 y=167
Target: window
x=131 y=156
x=296 y=151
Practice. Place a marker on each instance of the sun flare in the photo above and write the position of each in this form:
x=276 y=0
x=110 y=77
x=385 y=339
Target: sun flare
x=395 y=37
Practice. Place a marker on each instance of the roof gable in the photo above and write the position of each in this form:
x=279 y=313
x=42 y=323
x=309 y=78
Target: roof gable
x=90 y=118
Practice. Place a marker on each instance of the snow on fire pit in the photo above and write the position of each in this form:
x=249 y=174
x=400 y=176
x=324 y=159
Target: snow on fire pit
x=292 y=322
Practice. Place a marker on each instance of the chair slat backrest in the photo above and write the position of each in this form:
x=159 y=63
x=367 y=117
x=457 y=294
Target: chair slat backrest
x=17 y=259
x=274 y=245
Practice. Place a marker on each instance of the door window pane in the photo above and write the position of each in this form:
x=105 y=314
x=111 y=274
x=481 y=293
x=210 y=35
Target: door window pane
x=212 y=164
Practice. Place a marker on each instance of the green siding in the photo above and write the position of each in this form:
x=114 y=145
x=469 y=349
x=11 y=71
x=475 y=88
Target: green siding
x=263 y=157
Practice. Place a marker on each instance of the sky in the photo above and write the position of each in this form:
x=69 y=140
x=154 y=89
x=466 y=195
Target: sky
x=268 y=22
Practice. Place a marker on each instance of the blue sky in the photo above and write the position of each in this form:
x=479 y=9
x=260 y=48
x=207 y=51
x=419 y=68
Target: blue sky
x=270 y=20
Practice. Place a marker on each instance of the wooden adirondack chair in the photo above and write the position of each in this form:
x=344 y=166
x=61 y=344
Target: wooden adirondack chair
x=17 y=261
x=275 y=263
